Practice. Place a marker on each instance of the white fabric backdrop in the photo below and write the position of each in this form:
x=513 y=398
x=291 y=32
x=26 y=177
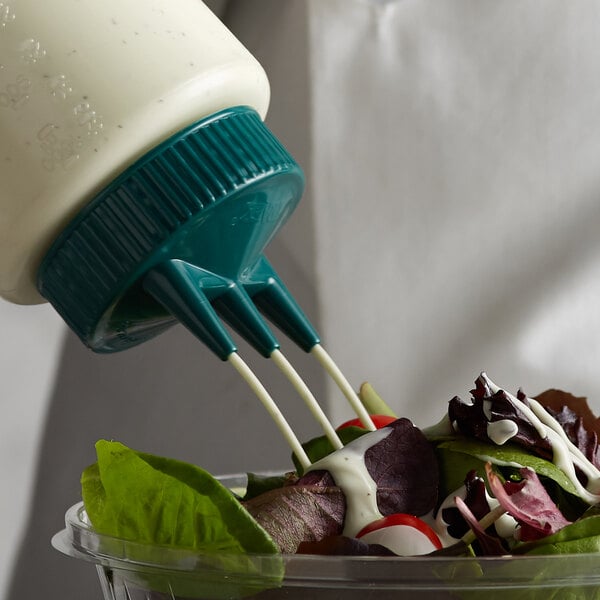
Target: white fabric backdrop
x=455 y=178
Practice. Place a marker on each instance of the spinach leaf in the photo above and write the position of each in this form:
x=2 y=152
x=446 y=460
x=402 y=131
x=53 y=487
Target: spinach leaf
x=459 y=455
x=260 y=484
x=580 y=537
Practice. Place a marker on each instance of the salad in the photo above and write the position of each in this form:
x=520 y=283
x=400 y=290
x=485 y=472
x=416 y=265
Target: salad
x=500 y=474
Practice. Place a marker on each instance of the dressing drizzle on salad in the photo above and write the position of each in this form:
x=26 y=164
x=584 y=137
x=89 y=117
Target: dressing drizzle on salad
x=349 y=471
x=566 y=456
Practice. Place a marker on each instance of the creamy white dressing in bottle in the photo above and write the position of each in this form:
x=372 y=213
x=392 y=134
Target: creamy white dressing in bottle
x=87 y=87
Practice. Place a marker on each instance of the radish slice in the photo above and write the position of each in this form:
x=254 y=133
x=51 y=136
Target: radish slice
x=404 y=535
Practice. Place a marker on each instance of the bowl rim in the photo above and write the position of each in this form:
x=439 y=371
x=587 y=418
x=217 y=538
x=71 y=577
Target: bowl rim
x=79 y=540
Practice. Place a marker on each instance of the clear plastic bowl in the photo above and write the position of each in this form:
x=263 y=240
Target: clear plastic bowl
x=133 y=571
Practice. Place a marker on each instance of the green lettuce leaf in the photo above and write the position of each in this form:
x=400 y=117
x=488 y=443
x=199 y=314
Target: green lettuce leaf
x=157 y=500
x=164 y=502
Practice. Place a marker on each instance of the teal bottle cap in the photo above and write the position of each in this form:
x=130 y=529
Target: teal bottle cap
x=179 y=236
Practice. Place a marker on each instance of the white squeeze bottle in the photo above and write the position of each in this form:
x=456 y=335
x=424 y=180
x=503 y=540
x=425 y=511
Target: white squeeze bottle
x=139 y=185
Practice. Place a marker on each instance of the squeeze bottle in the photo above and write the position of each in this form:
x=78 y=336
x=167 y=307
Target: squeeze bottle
x=139 y=184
